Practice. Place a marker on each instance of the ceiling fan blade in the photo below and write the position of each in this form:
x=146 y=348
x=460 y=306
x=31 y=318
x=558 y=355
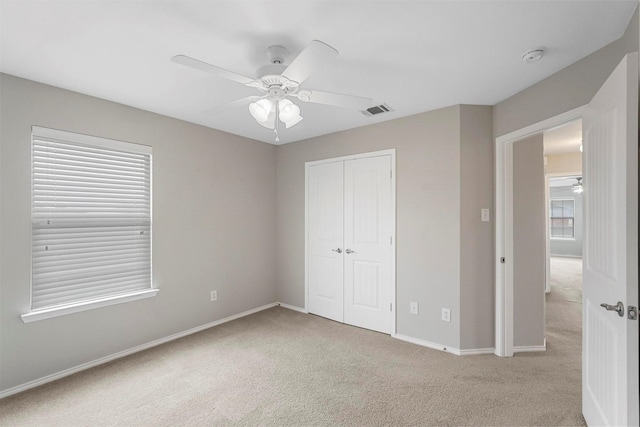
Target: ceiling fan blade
x=337 y=99
x=237 y=103
x=314 y=56
x=212 y=69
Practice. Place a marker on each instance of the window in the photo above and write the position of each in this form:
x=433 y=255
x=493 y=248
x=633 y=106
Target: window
x=91 y=222
x=562 y=218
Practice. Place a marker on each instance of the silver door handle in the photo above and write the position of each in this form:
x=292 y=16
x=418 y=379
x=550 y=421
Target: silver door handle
x=619 y=307
x=349 y=251
x=337 y=250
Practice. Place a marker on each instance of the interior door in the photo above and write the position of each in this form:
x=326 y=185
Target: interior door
x=367 y=256
x=610 y=260
x=325 y=198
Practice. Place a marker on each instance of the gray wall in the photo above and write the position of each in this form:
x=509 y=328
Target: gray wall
x=214 y=228
x=572 y=247
x=528 y=242
x=565 y=90
x=477 y=252
x=429 y=159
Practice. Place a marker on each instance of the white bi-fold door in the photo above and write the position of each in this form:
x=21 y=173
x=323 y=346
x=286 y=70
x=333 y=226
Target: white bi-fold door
x=350 y=225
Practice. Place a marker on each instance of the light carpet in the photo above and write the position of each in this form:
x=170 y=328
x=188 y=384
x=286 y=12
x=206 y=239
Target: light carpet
x=280 y=367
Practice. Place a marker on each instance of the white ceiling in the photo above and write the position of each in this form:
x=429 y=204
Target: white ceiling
x=563 y=181
x=563 y=139
x=415 y=56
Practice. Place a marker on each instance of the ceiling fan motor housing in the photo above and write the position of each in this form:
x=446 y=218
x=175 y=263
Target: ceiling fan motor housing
x=270 y=75
x=277 y=54
x=276 y=93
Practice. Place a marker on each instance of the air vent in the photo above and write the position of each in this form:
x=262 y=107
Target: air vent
x=378 y=109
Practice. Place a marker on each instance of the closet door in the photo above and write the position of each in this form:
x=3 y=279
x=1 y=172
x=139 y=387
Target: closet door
x=325 y=212
x=367 y=243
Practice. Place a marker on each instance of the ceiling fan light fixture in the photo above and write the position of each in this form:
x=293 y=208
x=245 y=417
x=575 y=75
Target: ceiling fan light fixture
x=289 y=113
x=270 y=122
x=261 y=109
x=293 y=121
x=288 y=110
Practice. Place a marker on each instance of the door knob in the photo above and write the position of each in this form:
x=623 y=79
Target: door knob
x=349 y=251
x=337 y=250
x=619 y=307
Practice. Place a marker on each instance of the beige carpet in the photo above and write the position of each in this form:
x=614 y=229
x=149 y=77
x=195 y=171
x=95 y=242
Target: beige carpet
x=280 y=367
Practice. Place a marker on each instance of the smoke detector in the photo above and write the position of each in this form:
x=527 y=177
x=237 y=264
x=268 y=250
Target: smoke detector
x=533 y=55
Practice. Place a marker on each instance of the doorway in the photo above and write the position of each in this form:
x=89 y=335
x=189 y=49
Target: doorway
x=610 y=339
x=564 y=257
x=504 y=224
x=564 y=231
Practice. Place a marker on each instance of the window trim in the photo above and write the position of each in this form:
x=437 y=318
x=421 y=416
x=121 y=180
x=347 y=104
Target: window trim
x=49 y=312
x=100 y=301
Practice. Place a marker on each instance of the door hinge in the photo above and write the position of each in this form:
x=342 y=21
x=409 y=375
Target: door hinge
x=390 y=306
x=391 y=240
x=390 y=174
x=632 y=312
x=502 y=261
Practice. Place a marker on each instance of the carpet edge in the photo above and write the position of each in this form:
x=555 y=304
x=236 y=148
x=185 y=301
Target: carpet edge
x=102 y=360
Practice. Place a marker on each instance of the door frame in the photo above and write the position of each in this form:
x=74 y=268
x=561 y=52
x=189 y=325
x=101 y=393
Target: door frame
x=504 y=224
x=389 y=152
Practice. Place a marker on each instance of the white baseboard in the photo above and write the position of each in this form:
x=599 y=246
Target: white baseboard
x=528 y=348
x=452 y=350
x=106 y=359
x=428 y=344
x=102 y=360
x=477 y=351
x=565 y=256
x=292 y=307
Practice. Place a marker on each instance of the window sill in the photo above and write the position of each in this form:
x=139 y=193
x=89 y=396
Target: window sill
x=564 y=239
x=47 y=313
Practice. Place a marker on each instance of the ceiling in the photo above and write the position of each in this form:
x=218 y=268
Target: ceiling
x=414 y=56
x=563 y=139
x=563 y=181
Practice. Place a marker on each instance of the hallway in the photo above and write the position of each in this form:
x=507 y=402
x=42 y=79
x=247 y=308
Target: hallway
x=564 y=305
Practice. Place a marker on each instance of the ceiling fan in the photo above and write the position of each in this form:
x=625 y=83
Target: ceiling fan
x=577 y=187
x=277 y=83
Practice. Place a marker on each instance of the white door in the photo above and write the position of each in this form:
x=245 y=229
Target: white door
x=610 y=260
x=325 y=212
x=367 y=256
x=349 y=247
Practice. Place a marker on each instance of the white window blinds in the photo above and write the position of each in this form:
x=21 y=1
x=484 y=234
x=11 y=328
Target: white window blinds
x=91 y=218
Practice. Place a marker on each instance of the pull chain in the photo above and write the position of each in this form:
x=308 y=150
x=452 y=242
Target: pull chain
x=275 y=129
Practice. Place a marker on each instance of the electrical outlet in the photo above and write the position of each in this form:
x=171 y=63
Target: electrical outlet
x=214 y=296
x=484 y=215
x=413 y=307
x=446 y=315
